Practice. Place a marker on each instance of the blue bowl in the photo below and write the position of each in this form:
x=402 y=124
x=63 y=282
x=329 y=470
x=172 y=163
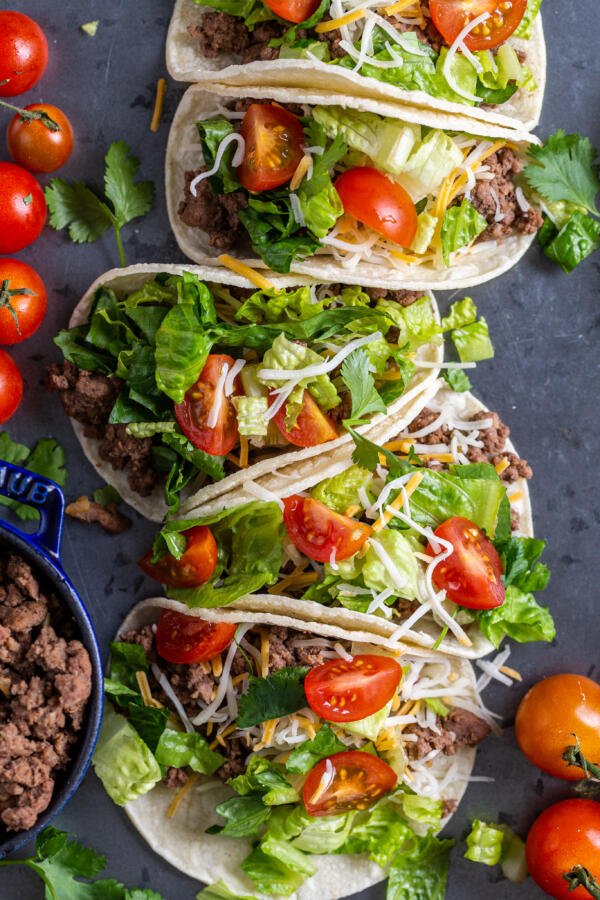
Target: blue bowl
x=42 y=552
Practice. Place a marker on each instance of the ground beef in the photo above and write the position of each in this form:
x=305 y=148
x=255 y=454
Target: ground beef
x=175 y=778
x=422 y=420
x=283 y=649
x=428 y=35
x=405 y=608
x=517 y=467
x=142 y=636
x=258 y=48
x=86 y=396
x=218 y=33
x=216 y=214
x=235 y=752
x=123 y=451
x=85 y=510
x=45 y=684
x=459 y=729
x=404 y=298
x=448 y=807
x=342 y=410
x=504 y=164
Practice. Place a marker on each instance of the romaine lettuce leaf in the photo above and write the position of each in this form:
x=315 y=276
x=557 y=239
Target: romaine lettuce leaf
x=370 y=726
x=220 y=891
x=245 y=817
x=402 y=553
x=520 y=617
x=430 y=162
x=525 y=29
x=461 y=225
x=181 y=749
x=265 y=778
x=251 y=415
x=473 y=342
x=484 y=843
x=380 y=832
x=341 y=491
x=420 y=870
x=307 y=755
x=423 y=810
x=122 y=761
x=270 y=876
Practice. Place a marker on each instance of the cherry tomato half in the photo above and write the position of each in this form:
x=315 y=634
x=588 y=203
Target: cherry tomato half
x=550 y=713
x=312 y=427
x=11 y=386
x=451 y=16
x=348 y=690
x=293 y=10
x=193 y=414
x=37 y=147
x=378 y=202
x=23 y=53
x=22 y=296
x=274 y=139
x=22 y=208
x=187 y=639
x=563 y=836
x=472 y=574
x=345 y=781
x=194 y=568
x=317 y=531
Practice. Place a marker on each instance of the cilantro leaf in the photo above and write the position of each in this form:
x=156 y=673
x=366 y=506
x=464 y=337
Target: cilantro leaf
x=457 y=379
x=564 y=169
x=47 y=458
x=359 y=381
x=76 y=206
x=130 y=200
x=279 y=694
x=107 y=495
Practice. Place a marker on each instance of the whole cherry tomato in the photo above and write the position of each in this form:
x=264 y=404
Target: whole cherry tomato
x=22 y=301
x=11 y=386
x=22 y=208
x=37 y=145
x=23 y=53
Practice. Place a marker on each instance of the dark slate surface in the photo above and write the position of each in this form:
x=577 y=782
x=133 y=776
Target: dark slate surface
x=545 y=327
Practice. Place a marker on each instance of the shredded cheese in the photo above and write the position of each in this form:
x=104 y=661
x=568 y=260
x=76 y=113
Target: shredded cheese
x=403 y=445
x=459 y=44
x=292 y=581
x=264 y=653
x=301 y=170
x=216 y=665
x=332 y=24
x=176 y=801
x=512 y=673
x=243 y=452
x=502 y=466
x=237 y=159
x=397 y=7
x=514 y=498
x=410 y=487
x=245 y=271
x=161 y=88
x=144 y=686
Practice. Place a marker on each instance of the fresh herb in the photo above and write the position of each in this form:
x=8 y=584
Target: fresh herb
x=279 y=694
x=107 y=496
x=457 y=379
x=47 y=459
x=89 y=216
x=357 y=377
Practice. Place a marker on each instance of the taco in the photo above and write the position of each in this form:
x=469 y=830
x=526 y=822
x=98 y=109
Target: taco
x=196 y=380
x=228 y=750
x=347 y=189
x=426 y=539
x=413 y=53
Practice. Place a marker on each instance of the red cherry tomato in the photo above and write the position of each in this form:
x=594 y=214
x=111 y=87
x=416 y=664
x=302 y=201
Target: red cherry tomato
x=23 y=53
x=11 y=386
x=193 y=414
x=347 y=781
x=565 y=835
x=293 y=10
x=22 y=296
x=378 y=202
x=187 y=639
x=451 y=16
x=274 y=139
x=550 y=714
x=194 y=568
x=312 y=427
x=22 y=208
x=472 y=574
x=35 y=146
x=348 y=690
x=318 y=531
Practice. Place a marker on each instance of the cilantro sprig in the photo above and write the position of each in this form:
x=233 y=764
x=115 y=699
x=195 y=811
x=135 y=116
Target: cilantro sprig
x=88 y=216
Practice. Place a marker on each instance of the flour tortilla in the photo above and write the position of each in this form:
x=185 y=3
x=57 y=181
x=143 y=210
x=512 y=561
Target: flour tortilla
x=185 y=63
x=285 y=482
x=485 y=261
x=181 y=840
x=154 y=506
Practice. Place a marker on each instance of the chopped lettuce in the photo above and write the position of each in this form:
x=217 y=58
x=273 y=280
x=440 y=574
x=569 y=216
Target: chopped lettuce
x=304 y=757
x=520 y=617
x=571 y=244
x=220 y=891
x=419 y=871
x=473 y=342
x=520 y=563
x=461 y=225
x=525 y=29
x=244 y=816
x=274 y=305
x=252 y=415
x=180 y=749
x=484 y=843
x=423 y=810
x=321 y=209
x=429 y=163
x=122 y=761
x=341 y=491
x=270 y=875
x=265 y=778
x=380 y=832
x=370 y=726
x=402 y=553
x=426 y=225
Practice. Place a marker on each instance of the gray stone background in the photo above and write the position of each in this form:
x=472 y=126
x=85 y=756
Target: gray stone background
x=543 y=381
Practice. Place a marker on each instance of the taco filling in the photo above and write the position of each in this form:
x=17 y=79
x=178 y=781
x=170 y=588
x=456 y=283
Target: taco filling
x=287 y=182
x=326 y=746
x=454 y=51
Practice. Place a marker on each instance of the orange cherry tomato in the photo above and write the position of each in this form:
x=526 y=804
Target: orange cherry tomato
x=194 y=413
x=347 y=781
x=451 y=16
x=195 y=567
x=37 y=147
x=293 y=10
x=188 y=639
x=550 y=714
x=348 y=690
x=274 y=140
x=378 y=202
x=312 y=427
x=563 y=836
x=472 y=574
x=318 y=531
x=23 y=53
x=11 y=386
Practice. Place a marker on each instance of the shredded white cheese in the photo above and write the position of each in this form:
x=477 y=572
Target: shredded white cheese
x=213 y=416
x=232 y=375
x=235 y=162
x=318 y=368
x=459 y=44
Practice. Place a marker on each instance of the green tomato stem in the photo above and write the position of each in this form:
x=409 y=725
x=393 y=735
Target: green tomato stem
x=31 y=115
x=579 y=876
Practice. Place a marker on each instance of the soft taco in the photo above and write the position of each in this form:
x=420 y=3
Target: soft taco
x=426 y=539
x=196 y=380
x=236 y=762
x=347 y=189
x=432 y=53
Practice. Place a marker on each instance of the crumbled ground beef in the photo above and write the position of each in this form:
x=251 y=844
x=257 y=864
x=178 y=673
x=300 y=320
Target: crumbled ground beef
x=85 y=510
x=342 y=410
x=422 y=420
x=459 y=729
x=45 y=683
x=284 y=649
x=428 y=35
x=258 y=48
x=216 y=214
x=504 y=164
x=123 y=451
x=448 y=807
x=405 y=608
x=404 y=298
x=219 y=32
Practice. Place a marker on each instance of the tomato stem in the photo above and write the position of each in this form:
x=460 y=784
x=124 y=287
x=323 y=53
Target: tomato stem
x=5 y=300
x=574 y=757
x=31 y=115
x=579 y=876
x=120 y=245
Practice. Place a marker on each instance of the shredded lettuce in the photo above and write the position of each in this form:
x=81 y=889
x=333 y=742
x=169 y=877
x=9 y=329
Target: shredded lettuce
x=402 y=553
x=304 y=757
x=265 y=778
x=419 y=871
x=473 y=342
x=252 y=415
x=341 y=491
x=484 y=843
x=122 y=761
x=423 y=810
x=430 y=162
x=525 y=29
x=461 y=225
x=370 y=726
x=520 y=617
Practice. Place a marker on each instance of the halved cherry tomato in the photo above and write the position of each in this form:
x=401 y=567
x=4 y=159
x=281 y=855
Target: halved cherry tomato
x=550 y=714
x=22 y=208
x=451 y=16
x=23 y=53
x=194 y=568
x=187 y=639
x=22 y=300
x=563 y=836
x=312 y=427
x=346 y=781
x=11 y=386
x=34 y=145
x=293 y=10
x=193 y=414
x=472 y=574
x=348 y=690
x=378 y=202
x=274 y=139
x=318 y=531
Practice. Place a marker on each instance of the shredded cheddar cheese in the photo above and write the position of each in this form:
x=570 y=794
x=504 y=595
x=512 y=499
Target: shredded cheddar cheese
x=332 y=24
x=243 y=452
x=402 y=445
x=397 y=7
x=512 y=673
x=246 y=272
x=352 y=510
x=161 y=87
x=502 y=466
x=301 y=170
x=409 y=488
x=264 y=654
x=174 y=805
x=234 y=459
x=144 y=686
x=216 y=665
x=514 y=498
x=293 y=580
